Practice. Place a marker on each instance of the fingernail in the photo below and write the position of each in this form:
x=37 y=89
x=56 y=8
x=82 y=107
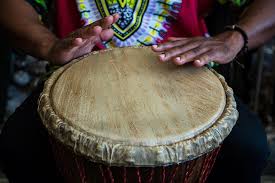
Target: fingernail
x=161 y=56
x=79 y=40
x=154 y=46
x=198 y=62
x=177 y=59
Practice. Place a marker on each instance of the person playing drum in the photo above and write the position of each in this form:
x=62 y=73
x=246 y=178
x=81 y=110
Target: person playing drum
x=177 y=32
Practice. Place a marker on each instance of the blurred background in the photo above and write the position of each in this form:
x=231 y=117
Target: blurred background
x=252 y=77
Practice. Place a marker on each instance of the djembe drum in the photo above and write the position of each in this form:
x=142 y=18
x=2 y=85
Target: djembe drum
x=121 y=116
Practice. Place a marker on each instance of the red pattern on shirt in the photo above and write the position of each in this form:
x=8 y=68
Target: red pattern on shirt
x=67 y=17
x=190 y=21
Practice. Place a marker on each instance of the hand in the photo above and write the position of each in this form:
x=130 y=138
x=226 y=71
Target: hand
x=222 y=49
x=82 y=41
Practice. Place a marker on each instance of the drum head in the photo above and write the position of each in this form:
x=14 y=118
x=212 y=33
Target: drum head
x=127 y=97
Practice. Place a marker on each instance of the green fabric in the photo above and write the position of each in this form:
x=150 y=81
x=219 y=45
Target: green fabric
x=235 y=2
x=42 y=3
x=41 y=7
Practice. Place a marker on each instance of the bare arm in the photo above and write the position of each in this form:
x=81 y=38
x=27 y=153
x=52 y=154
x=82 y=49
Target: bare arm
x=258 y=21
x=26 y=32
x=24 y=28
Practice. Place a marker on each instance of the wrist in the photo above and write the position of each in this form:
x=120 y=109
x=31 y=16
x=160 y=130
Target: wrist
x=240 y=36
x=233 y=40
x=46 y=47
x=237 y=39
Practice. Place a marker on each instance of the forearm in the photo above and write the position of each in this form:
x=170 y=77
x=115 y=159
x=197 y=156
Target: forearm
x=258 y=21
x=24 y=29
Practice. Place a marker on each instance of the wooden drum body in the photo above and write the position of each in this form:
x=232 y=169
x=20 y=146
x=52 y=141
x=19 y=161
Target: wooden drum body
x=119 y=115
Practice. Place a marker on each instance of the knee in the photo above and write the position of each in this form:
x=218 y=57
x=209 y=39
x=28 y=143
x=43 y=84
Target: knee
x=260 y=152
x=247 y=146
x=248 y=138
x=255 y=153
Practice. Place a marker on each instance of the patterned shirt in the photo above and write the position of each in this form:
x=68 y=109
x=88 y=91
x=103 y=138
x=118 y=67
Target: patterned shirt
x=142 y=22
x=42 y=6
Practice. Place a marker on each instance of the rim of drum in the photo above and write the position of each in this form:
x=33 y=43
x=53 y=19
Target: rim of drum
x=104 y=151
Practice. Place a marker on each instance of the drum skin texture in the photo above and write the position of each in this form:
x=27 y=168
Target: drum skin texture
x=120 y=115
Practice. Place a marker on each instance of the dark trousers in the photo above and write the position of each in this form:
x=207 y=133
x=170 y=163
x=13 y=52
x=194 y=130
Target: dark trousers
x=244 y=153
x=4 y=74
x=26 y=155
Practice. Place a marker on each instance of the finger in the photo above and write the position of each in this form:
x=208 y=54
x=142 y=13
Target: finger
x=98 y=26
x=78 y=42
x=106 y=22
x=168 y=45
x=116 y=17
x=70 y=43
x=94 y=28
x=179 y=50
x=93 y=31
x=106 y=34
x=204 y=58
x=176 y=38
x=199 y=63
x=87 y=32
x=190 y=55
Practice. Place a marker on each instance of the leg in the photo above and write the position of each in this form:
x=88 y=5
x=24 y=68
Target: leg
x=25 y=152
x=244 y=152
x=4 y=76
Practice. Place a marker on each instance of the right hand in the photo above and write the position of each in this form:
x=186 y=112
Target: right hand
x=82 y=41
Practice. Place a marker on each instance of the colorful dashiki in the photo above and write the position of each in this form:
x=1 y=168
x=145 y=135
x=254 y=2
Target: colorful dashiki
x=154 y=16
x=142 y=22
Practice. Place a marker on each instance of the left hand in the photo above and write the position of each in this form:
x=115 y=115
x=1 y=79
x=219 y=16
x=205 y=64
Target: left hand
x=222 y=49
x=81 y=41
